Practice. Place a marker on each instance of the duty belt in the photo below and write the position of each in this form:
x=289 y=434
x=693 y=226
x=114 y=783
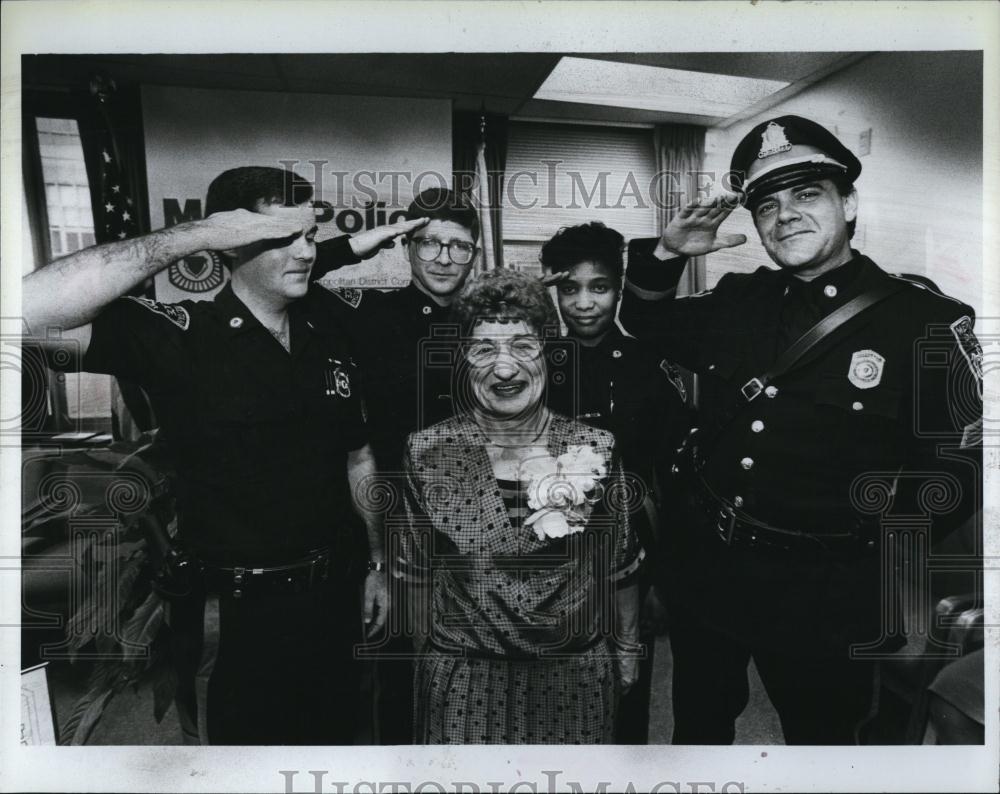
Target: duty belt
x=240 y=581
x=736 y=528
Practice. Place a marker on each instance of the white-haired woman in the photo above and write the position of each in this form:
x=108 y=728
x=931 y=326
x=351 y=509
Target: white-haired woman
x=519 y=544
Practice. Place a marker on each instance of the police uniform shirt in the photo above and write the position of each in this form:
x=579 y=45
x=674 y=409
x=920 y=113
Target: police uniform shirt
x=622 y=386
x=859 y=404
x=259 y=436
x=404 y=349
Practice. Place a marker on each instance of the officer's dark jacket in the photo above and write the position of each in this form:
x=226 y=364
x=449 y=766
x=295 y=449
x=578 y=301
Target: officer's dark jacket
x=259 y=437
x=623 y=386
x=898 y=390
x=405 y=362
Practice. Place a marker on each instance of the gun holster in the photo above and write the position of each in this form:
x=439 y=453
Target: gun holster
x=179 y=575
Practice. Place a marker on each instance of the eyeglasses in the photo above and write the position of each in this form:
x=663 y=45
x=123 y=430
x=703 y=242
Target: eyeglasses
x=483 y=352
x=459 y=251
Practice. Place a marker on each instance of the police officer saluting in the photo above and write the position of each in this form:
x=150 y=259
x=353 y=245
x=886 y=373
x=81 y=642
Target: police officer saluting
x=622 y=386
x=258 y=401
x=393 y=330
x=808 y=381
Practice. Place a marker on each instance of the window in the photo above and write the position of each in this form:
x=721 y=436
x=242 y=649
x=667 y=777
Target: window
x=562 y=175
x=629 y=85
x=85 y=398
x=67 y=192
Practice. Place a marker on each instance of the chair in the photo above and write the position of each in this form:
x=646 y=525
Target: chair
x=956 y=703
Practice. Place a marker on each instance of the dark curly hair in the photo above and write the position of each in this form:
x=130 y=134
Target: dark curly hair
x=505 y=295
x=592 y=241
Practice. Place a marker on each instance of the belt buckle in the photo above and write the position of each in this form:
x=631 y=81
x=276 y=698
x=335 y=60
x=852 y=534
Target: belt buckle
x=727 y=516
x=751 y=389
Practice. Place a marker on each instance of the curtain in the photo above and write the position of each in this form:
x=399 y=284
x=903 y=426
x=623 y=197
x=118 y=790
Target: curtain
x=479 y=160
x=680 y=153
x=110 y=126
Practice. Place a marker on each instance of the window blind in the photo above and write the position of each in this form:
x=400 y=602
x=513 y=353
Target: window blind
x=562 y=175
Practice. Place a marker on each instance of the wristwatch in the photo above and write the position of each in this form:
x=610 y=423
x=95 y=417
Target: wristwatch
x=376 y=566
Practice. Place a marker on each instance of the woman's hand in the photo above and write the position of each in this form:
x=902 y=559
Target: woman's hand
x=628 y=670
x=627 y=635
x=376 y=603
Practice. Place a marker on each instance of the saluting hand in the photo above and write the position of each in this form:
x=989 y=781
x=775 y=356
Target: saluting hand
x=550 y=278
x=695 y=229
x=367 y=244
x=222 y=231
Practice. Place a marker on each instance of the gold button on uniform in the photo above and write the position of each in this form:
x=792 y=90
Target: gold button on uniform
x=737 y=501
x=747 y=463
x=236 y=322
x=858 y=406
x=756 y=425
x=427 y=310
x=830 y=291
x=770 y=391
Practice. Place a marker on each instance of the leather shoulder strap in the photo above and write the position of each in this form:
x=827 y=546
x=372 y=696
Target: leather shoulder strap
x=834 y=321
x=796 y=352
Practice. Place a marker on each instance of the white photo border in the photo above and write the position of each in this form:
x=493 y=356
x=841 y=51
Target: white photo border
x=187 y=26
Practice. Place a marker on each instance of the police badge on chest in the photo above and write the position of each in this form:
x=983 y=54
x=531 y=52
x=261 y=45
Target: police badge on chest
x=866 y=369
x=337 y=378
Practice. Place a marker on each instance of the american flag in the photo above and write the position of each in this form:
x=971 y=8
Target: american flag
x=115 y=219
x=116 y=215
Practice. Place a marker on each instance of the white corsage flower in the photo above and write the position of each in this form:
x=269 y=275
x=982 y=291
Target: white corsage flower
x=560 y=490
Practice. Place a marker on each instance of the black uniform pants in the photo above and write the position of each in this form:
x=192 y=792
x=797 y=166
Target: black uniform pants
x=819 y=700
x=274 y=669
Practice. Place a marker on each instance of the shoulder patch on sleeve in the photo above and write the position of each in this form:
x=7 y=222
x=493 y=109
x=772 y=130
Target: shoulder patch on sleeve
x=349 y=295
x=178 y=315
x=961 y=329
x=674 y=376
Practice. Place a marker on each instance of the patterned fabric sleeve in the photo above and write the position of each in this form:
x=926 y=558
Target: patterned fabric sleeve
x=621 y=503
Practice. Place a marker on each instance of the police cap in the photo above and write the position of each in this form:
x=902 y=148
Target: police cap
x=787 y=151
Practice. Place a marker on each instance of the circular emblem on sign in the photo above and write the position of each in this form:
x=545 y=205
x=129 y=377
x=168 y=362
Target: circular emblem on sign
x=200 y=272
x=866 y=369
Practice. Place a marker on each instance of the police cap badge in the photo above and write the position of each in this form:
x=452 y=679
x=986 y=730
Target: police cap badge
x=787 y=151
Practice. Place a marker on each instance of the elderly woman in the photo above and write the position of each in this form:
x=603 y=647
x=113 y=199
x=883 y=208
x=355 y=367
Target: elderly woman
x=520 y=542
